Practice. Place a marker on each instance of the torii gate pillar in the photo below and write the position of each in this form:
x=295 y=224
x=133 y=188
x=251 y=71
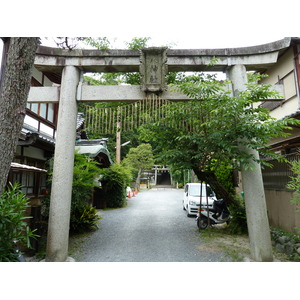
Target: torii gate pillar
x=61 y=191
x=255 y=202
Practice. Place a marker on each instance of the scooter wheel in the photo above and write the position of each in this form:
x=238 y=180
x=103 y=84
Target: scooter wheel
x=202 y=223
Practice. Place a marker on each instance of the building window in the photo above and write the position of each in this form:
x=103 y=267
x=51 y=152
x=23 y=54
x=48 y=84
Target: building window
x=50 y=112
x=32 y=183
x=43 y=184
x=28 y=183
x=44 y=110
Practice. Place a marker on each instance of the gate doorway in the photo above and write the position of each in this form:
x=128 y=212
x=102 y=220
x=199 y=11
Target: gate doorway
x=164 y=178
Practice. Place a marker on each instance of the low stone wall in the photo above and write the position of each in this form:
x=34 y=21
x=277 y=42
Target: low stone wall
x=288 y=244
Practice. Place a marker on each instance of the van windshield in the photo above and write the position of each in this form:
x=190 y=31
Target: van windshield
x=194 y=190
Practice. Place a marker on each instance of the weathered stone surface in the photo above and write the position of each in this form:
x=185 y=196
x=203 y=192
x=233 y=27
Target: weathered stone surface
x=280 y=248
x=289 y=249
x=62 y=179
x=153 y=70
x=43 y=94
x=108 y=93
x=282 y=240
x=254 y=58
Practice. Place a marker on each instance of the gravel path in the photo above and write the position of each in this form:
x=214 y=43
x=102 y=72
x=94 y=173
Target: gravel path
x=152 y=228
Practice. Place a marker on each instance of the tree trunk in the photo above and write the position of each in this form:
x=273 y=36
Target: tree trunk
x=138 y=180
x=14 y=88
x=211 y=179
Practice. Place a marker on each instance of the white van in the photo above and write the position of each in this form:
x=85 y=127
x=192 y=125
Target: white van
x=191 y=197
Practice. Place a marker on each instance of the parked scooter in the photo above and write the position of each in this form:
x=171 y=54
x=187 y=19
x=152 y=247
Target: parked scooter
x=219 y=214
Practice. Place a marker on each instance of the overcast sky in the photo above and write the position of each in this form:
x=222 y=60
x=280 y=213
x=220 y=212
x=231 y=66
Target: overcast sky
x=187 y=24
x=186 y=42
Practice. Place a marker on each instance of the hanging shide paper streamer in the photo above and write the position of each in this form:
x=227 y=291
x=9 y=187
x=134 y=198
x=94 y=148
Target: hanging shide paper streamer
x=103 y=120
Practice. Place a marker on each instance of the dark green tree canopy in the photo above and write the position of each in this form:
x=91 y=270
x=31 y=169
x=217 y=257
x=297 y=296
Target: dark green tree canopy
x=215 y=125
x=140 y=158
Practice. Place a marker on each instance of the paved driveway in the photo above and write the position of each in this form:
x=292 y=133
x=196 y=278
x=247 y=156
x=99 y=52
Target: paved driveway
x=152 y=228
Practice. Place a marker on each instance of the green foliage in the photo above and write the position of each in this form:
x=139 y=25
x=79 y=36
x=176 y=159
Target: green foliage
x=13 y=227
x=115 y=179
x=85 y=171
x=138 y=43
x=101 y=43
x=83 y=217
x=224 y=174
x=238 y=221
x=294 y=183
x=140 y=158
x=177 y=176
x=217 y=126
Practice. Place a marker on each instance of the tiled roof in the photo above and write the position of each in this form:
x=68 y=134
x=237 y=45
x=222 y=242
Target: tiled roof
x=27 y=129
x=93 y=147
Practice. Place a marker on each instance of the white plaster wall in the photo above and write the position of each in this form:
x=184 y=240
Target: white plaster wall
x=284 y=71
x=39 y=77
x=286 y=109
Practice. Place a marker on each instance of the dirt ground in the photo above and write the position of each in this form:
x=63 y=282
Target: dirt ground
x=237 y=247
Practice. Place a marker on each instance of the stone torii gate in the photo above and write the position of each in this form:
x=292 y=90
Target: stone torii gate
x=68 y=66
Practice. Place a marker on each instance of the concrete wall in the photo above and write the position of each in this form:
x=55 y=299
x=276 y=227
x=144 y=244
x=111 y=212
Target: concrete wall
x=281 y=212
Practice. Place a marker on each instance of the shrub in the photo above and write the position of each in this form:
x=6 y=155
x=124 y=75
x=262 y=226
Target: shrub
x=294 y=183
x=13 y=228
x=116 y=179
x=238 y=222
x=83 y=216
x=180 y=185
